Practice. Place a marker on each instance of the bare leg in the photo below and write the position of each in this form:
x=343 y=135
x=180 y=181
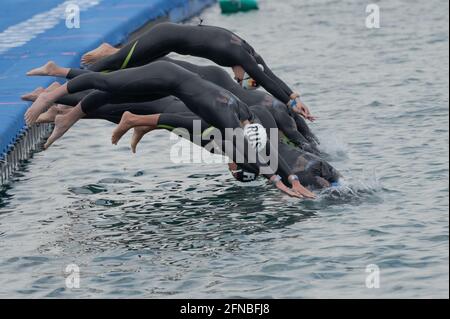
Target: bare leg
x=130 y=120
x=43 y=102
x=53 y=86
x=53 y=111
x=32 y=96
x=63 y=123
x=102 y=51
x=49 y=69
x=138 y=134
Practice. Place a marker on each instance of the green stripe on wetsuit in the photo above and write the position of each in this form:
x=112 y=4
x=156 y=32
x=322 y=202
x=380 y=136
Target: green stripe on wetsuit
x=128 y=58
x=287 y=141
x=165 y=127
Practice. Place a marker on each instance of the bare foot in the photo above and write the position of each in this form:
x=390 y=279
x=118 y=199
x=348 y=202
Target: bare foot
x=41 y=104
x=138 y=134
x=63 y=123
x=61 y=127
x=53 y=86
x=32 y=96
x=126 y=123
x=48 y=69
x=50 y=115
x=102 y=51
x=63 y=109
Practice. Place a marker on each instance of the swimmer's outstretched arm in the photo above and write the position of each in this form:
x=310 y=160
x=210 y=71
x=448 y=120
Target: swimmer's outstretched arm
x=288 y=126
x=168 y=37
x=161 y=77
x=301 y=108
x=141 y=124
x=304 y=129
x=277 y=181
x=285 y=173
x=267 y=79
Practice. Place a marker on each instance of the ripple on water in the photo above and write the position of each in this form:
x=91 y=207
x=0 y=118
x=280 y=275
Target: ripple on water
x=88 y=189
x=140 y=226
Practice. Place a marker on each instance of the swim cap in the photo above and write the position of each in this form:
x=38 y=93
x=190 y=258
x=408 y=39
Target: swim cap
x=241 y=175
x=256 y=135
x=244 y=176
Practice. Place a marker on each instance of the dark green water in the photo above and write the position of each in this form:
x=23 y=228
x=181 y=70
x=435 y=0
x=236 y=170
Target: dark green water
x=141 y=226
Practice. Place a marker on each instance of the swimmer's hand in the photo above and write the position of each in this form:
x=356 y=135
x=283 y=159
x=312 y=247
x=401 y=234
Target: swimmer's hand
x=276 y=180
x=300 y=189
x=302 y=109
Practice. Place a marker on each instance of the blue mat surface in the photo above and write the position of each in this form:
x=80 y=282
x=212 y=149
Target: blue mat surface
x=34 y=32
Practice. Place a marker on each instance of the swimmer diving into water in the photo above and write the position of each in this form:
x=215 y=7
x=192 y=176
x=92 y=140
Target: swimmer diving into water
x=153 y=81
x=290 y=123
x=312 y=171
x=171 y=114
x=214 y=43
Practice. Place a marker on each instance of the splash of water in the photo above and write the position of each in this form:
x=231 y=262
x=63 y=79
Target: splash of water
x=351 y=188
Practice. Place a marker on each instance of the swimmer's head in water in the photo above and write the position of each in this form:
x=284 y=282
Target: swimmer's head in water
x=241 y=175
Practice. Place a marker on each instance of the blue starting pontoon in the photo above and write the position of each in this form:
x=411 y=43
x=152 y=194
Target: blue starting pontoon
x=33 y=33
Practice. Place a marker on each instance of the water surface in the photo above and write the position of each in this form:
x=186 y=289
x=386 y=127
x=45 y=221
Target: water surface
x=142 y=226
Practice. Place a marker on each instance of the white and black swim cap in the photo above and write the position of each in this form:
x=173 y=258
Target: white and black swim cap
x=244 y=176
x=256 y=135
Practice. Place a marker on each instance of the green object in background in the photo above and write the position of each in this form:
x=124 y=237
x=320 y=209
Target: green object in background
x=233 y=6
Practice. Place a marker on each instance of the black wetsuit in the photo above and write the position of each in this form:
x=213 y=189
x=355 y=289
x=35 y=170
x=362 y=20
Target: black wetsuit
x=290 y=123
x=312 y=171
x=174 y=114
x=114 y=112
x=310 y=168
x=156 y=80
x=216 y=44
